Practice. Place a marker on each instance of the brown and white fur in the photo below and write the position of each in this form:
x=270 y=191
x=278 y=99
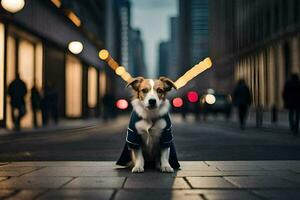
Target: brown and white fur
x=150 y=103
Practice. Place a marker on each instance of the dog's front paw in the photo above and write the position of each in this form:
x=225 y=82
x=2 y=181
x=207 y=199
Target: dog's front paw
x=137 y=169
x=166 y=168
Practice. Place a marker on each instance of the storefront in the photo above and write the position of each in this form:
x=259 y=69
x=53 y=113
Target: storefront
x=41 y=57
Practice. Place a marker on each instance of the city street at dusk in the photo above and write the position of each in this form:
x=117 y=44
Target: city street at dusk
x=149 y=99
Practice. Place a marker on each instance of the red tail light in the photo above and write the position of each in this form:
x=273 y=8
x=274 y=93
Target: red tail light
x=192 y=96
x=177 y=102
x=122 y=104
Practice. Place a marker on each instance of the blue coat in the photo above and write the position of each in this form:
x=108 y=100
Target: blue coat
x=134 y=140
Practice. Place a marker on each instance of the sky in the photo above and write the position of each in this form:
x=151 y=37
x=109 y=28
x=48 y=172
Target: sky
x=152 y=18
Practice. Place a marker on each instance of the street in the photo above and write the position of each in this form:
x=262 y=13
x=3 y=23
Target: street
x=210 y=140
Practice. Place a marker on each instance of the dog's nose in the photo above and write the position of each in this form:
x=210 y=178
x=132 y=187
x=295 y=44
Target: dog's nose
x=152 y=102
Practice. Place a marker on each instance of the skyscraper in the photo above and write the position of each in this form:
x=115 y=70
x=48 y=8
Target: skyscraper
x=194 y=37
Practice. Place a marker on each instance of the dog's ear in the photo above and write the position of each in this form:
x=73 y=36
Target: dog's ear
x=168 y=83
x=135 y=82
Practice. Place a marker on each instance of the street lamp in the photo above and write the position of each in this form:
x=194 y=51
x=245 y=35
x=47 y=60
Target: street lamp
x=75 y=47
x=13 y=6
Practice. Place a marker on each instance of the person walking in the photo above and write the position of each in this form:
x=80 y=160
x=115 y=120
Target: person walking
x=35 y=104
x=242 y=100
x=291 y=97
x=50 y=104
x=17 y=91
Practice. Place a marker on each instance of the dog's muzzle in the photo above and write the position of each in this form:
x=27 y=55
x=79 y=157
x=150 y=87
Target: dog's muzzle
x=152 y=103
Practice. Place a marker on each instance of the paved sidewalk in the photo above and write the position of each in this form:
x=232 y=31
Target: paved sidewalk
x=196 y=180
x=63 y=125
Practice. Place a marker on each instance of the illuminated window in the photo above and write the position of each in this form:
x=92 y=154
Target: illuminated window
x=10 y=74
x=73 y=87
x=30 y=70
x=2 y=38
x=92 y=87
x=102 y=84
x=39 y=66
x=26 y=71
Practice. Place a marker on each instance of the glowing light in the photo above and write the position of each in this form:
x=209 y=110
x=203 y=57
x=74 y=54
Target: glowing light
x=57 y=3
x=193 y=72
x=210 y=99
x=177 y=102
x=192 y=96
x=75 y=47
x=13 y=6
x=2 y=38
x=73 y=17
x=92 y=87
x=120 y=70
x=122 y=104
x=103 y=54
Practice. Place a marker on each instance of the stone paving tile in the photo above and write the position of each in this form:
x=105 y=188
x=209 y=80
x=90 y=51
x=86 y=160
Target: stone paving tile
x=209 y=182
x=2 y=178
x=289 y=176
x=279 y=194
x=184 y=173
x=198 y=167
x=67 y=194
x=260 y=182
x=79 y=171
x=257 y=163
x=293 y=167
x=3 y=163
x=33 y=182
x=65 y=163
x=15 y=171
x=154 y=182
x=227 y=195
x=161 y=194
x=238 y=167
x=5 y=193
x=25 y=195
x=96 y=182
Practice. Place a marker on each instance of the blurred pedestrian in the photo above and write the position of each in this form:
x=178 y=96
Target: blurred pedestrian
x=185 y=107
x=291 y=97
x=242 y=100
x=17 y=91
x=49 y=104
x=108 y=106
x=35 y=104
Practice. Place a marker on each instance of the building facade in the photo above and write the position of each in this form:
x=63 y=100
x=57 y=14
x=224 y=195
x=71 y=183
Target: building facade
x=262 y=46
x=34 y=44
x=194 y=39
x=138 y=67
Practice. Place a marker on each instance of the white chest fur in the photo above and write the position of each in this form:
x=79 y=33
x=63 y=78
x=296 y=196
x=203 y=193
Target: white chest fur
x=150 y=132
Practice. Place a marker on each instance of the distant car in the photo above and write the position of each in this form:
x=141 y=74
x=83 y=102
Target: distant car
x=216 y=103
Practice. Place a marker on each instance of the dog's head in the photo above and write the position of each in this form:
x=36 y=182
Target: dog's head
x=151 y=92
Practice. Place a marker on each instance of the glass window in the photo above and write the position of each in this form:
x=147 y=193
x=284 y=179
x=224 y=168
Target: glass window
x=73 y=87
x=26 y=71
x=2 y=38
x=92 y=87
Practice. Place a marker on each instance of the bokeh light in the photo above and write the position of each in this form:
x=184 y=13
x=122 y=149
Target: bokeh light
x=192 y=96
x=13 y=6
x=122 y=104
x=177 y=102
x=210 y=99
x=75 y=47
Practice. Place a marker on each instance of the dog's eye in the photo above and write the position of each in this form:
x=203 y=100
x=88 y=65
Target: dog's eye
x=159 y=91
x=145 y=90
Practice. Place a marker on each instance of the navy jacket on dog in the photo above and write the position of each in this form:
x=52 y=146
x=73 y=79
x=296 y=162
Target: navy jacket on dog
x=134 y=140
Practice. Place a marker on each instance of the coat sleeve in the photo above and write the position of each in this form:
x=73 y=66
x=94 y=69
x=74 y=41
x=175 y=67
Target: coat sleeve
x=167 y=136
x=133 y=139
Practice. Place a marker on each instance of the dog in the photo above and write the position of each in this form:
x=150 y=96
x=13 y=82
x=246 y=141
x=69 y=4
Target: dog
x=149 y=138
